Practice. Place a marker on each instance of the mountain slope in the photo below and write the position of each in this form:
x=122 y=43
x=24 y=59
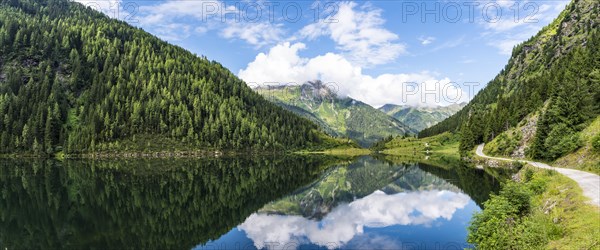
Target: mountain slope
x=341 y=117
x=420 y=118
x=72 y=79
x=555 y=73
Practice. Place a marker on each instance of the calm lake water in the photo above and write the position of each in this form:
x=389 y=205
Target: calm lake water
x=295 y=202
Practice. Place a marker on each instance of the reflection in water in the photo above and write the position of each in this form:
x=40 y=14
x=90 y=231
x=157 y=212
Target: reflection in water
x=370 y=204
x=348 y=220
x=149 y=204
x=167 y=203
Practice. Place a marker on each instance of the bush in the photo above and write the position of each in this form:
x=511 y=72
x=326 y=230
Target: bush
x=517 y=195
x=537 y=186
x=493 y=227
x=528 y=174
x=596 y=142
x=561 y=140
x=503 y=224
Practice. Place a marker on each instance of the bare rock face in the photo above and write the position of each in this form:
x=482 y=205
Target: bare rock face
x=317 y=91
x=528 y=132
x=313 y=205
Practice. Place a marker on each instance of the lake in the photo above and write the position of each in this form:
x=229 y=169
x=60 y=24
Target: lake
x=275 y=202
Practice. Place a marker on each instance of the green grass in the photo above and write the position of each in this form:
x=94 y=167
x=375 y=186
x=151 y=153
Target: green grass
x=542 y=210
x=585 y=158
x=445 y=143
x=344 y=149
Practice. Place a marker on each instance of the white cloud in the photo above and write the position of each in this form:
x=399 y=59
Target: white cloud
x=257 y=34
x=283 y=64
x=426 y=40
x=359 y=33
x=203 y=16
x=348 y=220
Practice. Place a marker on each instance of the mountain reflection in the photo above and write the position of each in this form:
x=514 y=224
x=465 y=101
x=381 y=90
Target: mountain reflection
x=346 y=221
x=182 y=203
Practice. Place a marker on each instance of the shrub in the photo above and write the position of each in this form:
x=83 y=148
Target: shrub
x=518 y=196
x=492 y=228
x=537 y=186
x=596 y=142
x=528 y=174
x=561 y=140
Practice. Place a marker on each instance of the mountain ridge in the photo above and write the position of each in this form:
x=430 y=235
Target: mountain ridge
x=421 y=117
x=340 y=117
x=554 y=75
x=75 y=81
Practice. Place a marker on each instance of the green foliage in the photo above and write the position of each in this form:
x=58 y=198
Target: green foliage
x=504 y=223
x=78 y=81
x=553 y=68
x=142 y=204
x=518 y=196
x=545 y=211
x=528 y=174
x=494 y=228
x=596 y=142
x=504 y=144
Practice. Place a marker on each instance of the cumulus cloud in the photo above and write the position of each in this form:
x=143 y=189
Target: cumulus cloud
x=349 y=220
x=359 y=33
x=282 y=64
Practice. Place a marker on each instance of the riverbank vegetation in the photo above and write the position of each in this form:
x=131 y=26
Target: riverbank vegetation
x=539 y=209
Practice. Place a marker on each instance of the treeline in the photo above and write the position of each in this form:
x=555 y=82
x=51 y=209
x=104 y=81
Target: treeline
x=556 y=72
x=73 y=80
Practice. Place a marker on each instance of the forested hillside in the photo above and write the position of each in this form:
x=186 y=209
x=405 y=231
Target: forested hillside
x=420 y=118
x=73 y=80
x=555 y=73
x=338 y=116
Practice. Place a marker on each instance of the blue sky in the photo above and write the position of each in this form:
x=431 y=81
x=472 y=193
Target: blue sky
x=403 y=52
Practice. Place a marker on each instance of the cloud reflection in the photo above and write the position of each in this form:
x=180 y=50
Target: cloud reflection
x=348 y=220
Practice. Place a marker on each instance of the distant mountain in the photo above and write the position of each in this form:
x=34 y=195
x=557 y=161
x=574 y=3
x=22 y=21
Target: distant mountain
x=74 y=80
x=420 y=118
x=341 y=117
x=551 y=82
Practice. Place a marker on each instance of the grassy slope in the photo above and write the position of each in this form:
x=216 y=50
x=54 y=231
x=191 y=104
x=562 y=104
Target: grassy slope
x=446 y=143
x=558 y=218
x=585 y=158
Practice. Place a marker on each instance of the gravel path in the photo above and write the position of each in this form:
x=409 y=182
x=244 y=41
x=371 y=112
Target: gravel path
x=589 y=183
